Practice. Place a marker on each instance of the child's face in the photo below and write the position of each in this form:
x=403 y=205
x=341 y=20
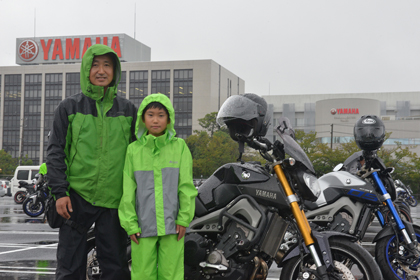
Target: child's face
x=156 y=121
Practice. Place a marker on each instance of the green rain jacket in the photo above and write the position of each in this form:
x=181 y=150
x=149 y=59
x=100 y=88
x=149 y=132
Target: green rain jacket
x=158 y=188
x=89 y=138
x=43 y=169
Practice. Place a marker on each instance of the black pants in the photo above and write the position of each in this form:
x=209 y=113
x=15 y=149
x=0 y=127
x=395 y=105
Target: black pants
x=111 y=242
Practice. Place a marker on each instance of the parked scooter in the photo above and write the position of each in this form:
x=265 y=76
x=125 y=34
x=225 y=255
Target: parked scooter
x=348 y=203
x=405 y=193
x=21 y=195
x=34 y=204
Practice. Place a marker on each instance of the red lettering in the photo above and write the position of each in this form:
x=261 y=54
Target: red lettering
x=58 y=50
x=86 y=45
x=73 y=50
x=348 y=111
x=98 y=40
x=46 y=48
x=115 y=45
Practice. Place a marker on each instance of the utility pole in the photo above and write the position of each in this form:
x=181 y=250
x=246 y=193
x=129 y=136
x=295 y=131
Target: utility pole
x=332 y=129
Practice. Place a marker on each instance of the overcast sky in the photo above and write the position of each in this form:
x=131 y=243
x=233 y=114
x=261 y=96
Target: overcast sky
x=275 y=46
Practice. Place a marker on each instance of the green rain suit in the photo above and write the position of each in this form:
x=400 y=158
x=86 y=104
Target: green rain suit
x=158 y=194
x=86 y=150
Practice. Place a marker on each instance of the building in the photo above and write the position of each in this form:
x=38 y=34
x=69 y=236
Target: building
x=49 y=72
x=332 y=116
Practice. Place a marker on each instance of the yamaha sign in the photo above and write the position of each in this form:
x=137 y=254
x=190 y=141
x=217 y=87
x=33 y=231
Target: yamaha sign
x=70 y=49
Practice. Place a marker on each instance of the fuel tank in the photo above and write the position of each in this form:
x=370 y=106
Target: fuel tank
x=234 y=179
x=341 y=183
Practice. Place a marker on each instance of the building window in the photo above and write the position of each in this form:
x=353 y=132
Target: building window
x=32 y=117
x=72 y=84
x=53 y=96
x=0 y=98
x=122 y=85
x=138 y=86
x=161 y=82
x=12 y=98
x=182 y=100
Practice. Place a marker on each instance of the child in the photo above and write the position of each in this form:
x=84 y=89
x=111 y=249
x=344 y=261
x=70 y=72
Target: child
x=158 y=201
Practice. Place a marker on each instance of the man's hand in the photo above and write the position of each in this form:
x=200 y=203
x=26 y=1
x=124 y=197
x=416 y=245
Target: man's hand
x=63 y=206
x=181 y=231
x=133 y=237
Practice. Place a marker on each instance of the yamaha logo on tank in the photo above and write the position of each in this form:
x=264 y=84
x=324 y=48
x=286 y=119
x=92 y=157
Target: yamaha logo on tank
x=368 y=121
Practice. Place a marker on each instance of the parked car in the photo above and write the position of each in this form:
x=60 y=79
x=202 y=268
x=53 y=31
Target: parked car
x=5 y=185
x=23 y=173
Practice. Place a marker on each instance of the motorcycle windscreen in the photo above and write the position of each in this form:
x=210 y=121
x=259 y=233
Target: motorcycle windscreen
x=292 y=148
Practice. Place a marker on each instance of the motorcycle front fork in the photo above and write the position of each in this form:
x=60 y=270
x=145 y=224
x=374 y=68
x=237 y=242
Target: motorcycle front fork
x=388 y=203
x=301 y=220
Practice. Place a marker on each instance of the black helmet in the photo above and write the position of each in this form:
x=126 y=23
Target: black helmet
x=245 y=116
x=369 y=133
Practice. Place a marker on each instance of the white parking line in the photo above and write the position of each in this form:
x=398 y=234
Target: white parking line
x=19 y=245
x=30 y=232
x=27 y=272
x=28 y=268
x=30 y=248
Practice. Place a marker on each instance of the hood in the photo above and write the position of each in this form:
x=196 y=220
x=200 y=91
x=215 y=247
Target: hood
x=92 y=91
x=165 y=101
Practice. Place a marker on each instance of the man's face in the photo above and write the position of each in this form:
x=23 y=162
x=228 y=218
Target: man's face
x=102 y=71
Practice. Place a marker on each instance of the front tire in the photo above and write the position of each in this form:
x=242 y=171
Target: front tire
x=351 y=261
x=412 y=201
x=33 y=210
x=19 y=197
x=393 y=268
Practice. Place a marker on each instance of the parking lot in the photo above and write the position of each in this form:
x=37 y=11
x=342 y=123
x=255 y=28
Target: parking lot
x=28 y=245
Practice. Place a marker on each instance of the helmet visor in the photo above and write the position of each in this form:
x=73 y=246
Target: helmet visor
x=238 y=107
x=370 y=133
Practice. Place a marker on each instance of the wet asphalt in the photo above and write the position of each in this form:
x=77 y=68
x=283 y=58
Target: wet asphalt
x=28 y=245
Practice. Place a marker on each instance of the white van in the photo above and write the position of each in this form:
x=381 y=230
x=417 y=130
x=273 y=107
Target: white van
x=23 y=173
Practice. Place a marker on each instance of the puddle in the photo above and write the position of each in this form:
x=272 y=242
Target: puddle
x=22 y=220
x=28 y=270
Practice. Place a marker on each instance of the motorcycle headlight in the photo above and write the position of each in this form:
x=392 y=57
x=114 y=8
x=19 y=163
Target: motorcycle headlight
x=312 y=183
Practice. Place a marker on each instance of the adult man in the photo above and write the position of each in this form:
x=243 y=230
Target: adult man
x=91 y=131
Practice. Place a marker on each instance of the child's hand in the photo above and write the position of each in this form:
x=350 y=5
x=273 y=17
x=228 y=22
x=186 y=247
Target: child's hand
x=181 y=231
x=133 y=237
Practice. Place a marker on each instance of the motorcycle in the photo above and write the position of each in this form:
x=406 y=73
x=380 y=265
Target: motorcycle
x=243 y=214
x=20 y=196
x=405 y=193
x=34 y=204
x=348 y=203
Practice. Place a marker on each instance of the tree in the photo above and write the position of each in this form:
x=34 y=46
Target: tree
x=209 y=123
x=9 y=164
x=324 y=159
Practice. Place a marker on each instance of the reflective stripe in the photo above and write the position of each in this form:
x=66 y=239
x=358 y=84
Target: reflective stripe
x=170 y=178
x=145 y=203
